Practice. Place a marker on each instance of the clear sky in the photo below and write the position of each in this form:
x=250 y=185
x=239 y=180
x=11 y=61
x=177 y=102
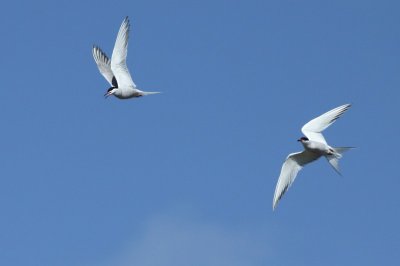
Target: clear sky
x=187 y=177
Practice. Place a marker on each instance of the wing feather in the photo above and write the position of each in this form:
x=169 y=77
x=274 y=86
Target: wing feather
x=118 y=58
x=314 y=128
x=103 y=63
x=293 y=164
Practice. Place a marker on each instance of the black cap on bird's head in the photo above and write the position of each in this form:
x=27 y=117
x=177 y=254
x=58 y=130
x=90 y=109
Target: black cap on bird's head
x=109 y=92
x=302 y=139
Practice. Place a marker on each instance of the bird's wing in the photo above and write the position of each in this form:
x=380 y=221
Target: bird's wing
x=118 y=58
x=293 y=164
x=314 y=128
x=103 y=63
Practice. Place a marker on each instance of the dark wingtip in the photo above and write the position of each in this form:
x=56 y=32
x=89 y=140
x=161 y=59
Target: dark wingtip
x=127 y=22
x=126 y=19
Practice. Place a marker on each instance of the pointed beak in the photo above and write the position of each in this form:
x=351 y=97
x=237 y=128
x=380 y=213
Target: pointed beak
x=108 y=93
x=299 y=140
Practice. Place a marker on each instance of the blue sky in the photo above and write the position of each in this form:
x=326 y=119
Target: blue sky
x=187 y=177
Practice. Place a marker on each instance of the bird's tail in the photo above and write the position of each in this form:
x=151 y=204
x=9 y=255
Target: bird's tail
x=150 y=92
x=336 y=156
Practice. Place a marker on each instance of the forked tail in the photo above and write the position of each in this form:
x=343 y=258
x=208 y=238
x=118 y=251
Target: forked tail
x=336 y=156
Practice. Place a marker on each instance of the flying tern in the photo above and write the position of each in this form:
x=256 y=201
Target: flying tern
x=315 y=146
x=115 y=70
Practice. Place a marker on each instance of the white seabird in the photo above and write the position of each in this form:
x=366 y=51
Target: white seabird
x=115 y=70
x=315 y=146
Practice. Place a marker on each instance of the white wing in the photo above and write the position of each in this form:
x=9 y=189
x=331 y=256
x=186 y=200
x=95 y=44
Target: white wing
x=293 y=164
x=118 y=58
x=103 y=63
x=314 y=128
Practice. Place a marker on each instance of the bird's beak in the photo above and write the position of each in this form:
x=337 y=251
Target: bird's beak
x=108 y=93
x=299 y=140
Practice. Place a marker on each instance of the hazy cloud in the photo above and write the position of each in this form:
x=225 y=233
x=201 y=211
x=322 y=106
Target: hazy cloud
x=174 y=240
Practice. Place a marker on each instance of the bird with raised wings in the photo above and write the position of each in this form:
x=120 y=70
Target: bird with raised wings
x=315 y=146
x=115 y=70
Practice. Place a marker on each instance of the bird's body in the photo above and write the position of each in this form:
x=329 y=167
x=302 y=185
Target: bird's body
x=115 y=70
x=315 y=146
x=318 y=148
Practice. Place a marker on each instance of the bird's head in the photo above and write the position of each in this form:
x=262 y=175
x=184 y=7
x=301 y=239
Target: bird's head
x=110 y=91
x=302 y=139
